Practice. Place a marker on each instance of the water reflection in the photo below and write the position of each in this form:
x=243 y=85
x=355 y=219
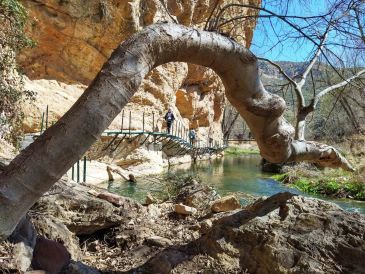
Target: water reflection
x=238 y=174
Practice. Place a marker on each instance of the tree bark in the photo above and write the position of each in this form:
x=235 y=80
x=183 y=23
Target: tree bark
x=40 y=165
x=300 y=126
x=302 y=115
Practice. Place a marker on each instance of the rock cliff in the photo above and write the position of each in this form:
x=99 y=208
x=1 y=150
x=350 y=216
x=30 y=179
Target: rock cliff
x=74 y=38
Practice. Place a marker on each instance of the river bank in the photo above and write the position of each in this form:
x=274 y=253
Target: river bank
x=331 y=183
x=241 y=176
x=111 y=234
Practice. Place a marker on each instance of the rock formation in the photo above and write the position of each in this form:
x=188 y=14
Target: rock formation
x=279 y=234
x=75 y=38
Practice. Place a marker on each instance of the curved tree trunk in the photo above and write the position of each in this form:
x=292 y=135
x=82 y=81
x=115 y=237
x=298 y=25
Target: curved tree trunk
x=39 y=166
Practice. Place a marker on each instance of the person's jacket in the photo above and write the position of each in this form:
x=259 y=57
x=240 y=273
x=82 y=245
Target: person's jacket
x=169 y=117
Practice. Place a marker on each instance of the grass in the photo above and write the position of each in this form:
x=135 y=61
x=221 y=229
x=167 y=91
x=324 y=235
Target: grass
x=240 y=151
x=329 y=182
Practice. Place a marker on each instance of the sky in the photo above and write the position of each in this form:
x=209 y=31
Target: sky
x=292 y=49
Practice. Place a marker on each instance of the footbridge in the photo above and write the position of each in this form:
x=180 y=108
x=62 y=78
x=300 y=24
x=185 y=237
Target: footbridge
x=145 y=129
x=139 y=129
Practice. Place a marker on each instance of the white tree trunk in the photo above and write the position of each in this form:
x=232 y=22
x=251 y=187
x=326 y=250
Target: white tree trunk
x=39 y=166
x=302 y=115
x=300 y=130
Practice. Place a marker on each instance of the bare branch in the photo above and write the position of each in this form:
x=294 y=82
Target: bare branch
x=303 y=78
x=336 y=86
x=287 y=77
x=359 y=25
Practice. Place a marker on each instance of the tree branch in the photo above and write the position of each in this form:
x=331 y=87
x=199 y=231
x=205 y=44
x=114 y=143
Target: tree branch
x=336 y=86
x=359 y=25
x=319 y=50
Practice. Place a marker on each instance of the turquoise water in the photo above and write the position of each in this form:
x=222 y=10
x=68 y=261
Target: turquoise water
x=232 y=174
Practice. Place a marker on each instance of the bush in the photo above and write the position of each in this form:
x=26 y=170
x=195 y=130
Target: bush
x=13 y=17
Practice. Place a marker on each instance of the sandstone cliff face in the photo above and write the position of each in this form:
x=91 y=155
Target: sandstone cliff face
x=75 y=38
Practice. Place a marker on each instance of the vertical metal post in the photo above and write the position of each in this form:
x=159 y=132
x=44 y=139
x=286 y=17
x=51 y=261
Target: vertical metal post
x=47 y=117
x=78 y=171
x=73 y=172
x=84 y=179
x=153 y=121
x=42 y=122
x=143 y=122
x=121 y=129
x=130 y=121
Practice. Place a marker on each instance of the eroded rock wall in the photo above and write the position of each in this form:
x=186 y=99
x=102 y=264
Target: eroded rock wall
x=75 y=37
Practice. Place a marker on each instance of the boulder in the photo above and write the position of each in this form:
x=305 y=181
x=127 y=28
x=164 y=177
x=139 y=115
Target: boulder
x=57 y=231
x=224 y=204
x=22 y=256
x=79 y=268
x=149 y=199
x=158 y=241
x=153 y=212
x=24 y=232
x=82 y=213
x=185 y=210
x=197 y=195
x=50 y=256
x=112 y=198
x=314 y=237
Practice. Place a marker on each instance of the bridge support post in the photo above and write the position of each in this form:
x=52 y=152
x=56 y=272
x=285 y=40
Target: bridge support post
x=143 y=122
x=42 y=122
x=78 y=171
x=73 y=172
x=121 y=129
x=84 y=171
x=47 y=117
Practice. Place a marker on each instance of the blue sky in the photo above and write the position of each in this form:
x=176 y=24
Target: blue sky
x=265 y=36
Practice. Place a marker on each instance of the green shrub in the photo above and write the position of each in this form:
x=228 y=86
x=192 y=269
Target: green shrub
x=331 y=187
x=13 y=17
x=304 y=185
x=240 y=151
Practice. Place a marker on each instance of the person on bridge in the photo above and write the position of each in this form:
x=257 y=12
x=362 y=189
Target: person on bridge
x=192 y=136
x=169 y=118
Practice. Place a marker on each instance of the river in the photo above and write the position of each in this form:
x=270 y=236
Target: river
x=231 y=174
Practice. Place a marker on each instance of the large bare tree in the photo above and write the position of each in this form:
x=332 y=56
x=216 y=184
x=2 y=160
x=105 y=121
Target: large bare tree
x=41 y=164
x=338 y=28
x=305 y=109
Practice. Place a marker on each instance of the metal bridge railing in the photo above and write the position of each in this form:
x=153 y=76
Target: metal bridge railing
x=177 y=139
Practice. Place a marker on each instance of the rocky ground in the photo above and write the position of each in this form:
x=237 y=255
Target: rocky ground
x=98 y=232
